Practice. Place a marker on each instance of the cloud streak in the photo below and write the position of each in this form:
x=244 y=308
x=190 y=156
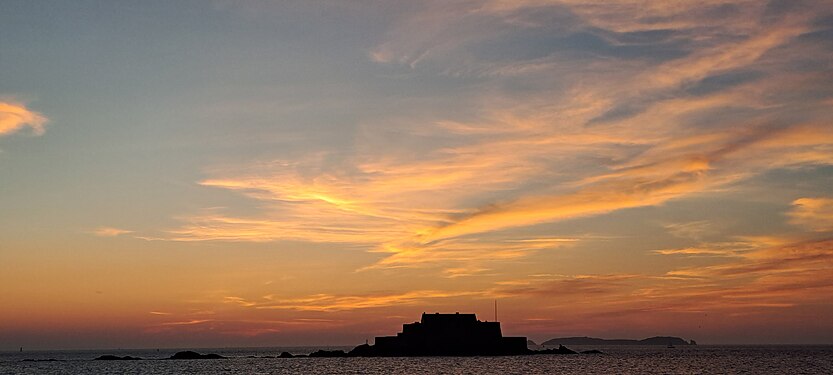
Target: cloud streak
x=760 y=280
x=333 y=303
x=110 y=232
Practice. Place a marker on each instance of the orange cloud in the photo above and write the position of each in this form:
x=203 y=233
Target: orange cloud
x=655 y=178
x=14 y=117
x=813 y=213
x=110 y=232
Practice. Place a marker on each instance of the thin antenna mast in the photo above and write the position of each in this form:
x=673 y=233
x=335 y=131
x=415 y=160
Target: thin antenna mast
x=495 y=310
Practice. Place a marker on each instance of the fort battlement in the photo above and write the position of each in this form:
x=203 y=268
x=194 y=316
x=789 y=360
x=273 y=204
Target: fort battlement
x=449 y=334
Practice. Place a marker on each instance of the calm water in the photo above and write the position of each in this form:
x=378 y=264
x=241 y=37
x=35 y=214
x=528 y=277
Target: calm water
x=617 y=360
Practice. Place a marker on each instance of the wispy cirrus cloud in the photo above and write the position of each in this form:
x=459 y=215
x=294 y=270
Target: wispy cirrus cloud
x=654 y=179
x=580 y=109
x=332 y=303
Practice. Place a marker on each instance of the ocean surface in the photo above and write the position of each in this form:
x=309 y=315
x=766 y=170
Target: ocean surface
x=703 y=359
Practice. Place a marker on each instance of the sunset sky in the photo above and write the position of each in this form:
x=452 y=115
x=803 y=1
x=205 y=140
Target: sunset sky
x=264 y=173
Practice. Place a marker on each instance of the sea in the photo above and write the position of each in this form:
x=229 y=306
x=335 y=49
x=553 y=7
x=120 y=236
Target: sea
x=701 y=359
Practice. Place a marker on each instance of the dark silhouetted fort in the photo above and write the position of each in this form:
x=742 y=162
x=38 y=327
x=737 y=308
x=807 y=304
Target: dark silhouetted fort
x=446 y=334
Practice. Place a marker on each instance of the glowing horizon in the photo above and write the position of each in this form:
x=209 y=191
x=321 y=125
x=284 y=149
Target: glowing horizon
x=201 y=174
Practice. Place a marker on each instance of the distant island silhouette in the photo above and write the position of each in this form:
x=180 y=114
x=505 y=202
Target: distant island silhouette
x=656 y=340
x=194 y=355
